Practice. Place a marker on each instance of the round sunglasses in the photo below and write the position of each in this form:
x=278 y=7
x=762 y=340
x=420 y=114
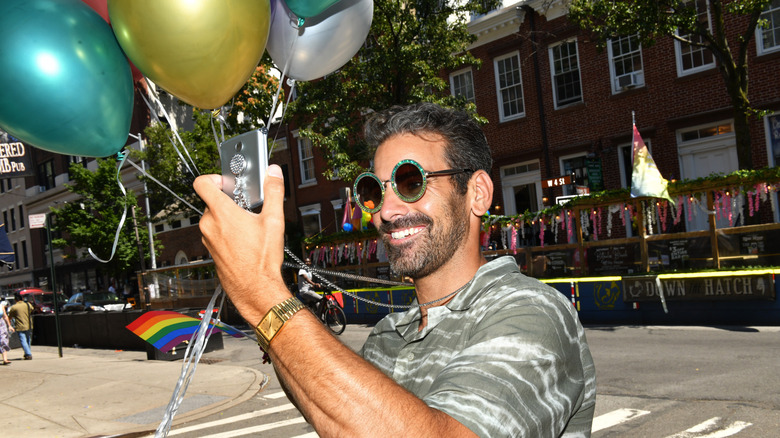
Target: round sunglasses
x=408 y=179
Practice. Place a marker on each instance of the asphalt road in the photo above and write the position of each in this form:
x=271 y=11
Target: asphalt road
x=681 y=382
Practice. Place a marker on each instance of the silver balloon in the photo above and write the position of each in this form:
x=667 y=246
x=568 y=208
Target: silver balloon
x=323 y=44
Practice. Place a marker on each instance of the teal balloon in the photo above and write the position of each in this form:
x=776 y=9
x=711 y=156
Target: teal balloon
x=66 y=84
x=309 y=8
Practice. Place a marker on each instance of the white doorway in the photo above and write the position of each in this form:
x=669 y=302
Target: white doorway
x=705 y=150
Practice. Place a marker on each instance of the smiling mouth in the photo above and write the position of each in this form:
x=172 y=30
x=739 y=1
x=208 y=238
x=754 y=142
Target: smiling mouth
x=402 y=234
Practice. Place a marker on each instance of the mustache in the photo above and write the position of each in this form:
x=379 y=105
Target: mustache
x=410 y=220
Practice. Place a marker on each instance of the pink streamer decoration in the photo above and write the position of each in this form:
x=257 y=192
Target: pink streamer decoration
x=513 y=245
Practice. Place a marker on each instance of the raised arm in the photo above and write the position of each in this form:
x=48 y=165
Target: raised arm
x=337 y=391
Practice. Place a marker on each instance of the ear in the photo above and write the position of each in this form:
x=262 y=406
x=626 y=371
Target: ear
x=481 y=187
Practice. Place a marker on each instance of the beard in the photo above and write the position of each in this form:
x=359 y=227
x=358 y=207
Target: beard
x=430 y=249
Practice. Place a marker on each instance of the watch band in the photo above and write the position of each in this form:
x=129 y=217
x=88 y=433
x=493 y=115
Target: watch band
x=274 y=320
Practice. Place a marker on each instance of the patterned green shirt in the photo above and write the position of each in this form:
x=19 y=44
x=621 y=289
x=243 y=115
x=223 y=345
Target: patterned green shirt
x=507 y=357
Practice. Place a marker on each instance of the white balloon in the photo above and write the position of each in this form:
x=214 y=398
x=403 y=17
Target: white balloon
x=323 y=44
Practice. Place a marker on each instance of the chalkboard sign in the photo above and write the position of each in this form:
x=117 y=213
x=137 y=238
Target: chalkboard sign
x=752 y=244
x=678 y=250
x=611 y=259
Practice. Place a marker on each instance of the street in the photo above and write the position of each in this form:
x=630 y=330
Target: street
x=682 y=382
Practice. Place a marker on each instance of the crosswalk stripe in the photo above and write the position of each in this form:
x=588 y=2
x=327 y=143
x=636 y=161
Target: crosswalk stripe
x=275 y=395
x=615 y=417
x=255 y=429
x=701 y=430
x=234 y=419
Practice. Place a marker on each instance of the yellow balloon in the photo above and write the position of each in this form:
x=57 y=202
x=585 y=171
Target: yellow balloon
x=201 y=51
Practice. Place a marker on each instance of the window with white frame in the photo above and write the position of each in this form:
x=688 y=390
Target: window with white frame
x=310 y=219
x=577 y=165
x=693 y=58
x=625 y=63
x=768 y=36
x=565 y=69
x=462 y=84
x=306 y=160
x=509 y=87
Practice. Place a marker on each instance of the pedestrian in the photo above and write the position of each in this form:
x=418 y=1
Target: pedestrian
x=5 y=329
x=488 y=351
x=305 y=286
x=21 y=313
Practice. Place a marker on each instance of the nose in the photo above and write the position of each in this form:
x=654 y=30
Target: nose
x=392 y=206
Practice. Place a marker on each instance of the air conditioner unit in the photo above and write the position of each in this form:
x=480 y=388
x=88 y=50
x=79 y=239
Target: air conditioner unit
x=626 y=81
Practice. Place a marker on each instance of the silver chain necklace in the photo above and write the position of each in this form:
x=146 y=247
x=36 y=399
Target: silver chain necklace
x=316 y=271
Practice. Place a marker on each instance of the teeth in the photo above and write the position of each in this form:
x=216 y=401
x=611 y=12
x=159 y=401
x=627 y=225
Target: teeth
x=404 y=233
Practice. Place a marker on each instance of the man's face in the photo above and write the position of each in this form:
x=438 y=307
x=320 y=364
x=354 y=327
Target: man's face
x=422 y=236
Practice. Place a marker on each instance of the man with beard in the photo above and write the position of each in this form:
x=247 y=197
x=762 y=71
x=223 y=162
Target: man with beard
x=486 y=352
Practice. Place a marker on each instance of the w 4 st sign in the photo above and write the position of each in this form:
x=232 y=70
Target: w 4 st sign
x=557 y=182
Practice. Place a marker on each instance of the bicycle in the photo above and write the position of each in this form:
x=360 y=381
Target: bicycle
x=330 y=312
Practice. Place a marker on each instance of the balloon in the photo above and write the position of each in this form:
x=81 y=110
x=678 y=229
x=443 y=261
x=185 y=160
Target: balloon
x=324 y=43
x=201 y=51
x=309 y=8
x=101 y=7
x=66 y=84
x=365 y=220
x=347 y=227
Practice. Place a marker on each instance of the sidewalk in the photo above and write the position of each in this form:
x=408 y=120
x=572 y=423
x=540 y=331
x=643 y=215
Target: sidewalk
x=91 y=393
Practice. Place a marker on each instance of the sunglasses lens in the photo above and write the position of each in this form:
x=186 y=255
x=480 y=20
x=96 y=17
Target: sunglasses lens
x=368 y=192
x=409 y=182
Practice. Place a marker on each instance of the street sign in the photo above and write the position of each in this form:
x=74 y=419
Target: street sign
x=37 y=220
x=557 y=182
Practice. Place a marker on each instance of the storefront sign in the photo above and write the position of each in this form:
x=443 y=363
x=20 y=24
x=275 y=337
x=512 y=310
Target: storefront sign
x=709 y=288
x=14 y=161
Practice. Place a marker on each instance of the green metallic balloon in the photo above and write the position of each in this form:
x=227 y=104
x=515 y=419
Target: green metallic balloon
x=309 y=8
x=66 y=85
x=201 y=51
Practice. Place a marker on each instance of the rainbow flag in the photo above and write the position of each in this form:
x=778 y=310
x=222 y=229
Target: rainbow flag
x=646 y=179
x=165 y=329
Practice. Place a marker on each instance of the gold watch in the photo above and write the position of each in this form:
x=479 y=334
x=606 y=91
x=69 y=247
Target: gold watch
x=274 y=320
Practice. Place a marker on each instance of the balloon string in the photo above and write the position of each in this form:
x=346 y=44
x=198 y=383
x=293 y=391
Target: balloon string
x=155 y=98
x=192 y=355
x=284 y=71
x=173 y=143
x=121 y=220
x=166 y=188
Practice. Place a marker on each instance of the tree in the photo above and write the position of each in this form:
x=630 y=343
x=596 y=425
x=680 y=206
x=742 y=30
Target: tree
x=401 y=62
x=686 y=21
x=92 y=221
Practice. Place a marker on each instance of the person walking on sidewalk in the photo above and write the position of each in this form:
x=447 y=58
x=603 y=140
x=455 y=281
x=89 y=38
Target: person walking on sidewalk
x=5 y=330
x=21 y=312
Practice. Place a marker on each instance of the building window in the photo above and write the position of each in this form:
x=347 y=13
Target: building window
x=16 y=255
x=577 y=165
x=21 y=216
x=462 y=85
x=772 y=124
x=565 y=68
x=176 y=224
x=509 y=87
x=693 y=58
x=306 y=157
x=13 y=219
x=46 y=175
x=625 y=62
x=159 y=228
x=5 y=220
x=310 y=219
x=768 y=37
x=25 y=261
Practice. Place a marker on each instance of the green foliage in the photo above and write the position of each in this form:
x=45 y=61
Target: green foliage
x=91 y=221
x=409 y=45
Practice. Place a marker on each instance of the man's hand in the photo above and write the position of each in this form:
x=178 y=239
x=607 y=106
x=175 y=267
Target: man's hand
x=247 y=248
